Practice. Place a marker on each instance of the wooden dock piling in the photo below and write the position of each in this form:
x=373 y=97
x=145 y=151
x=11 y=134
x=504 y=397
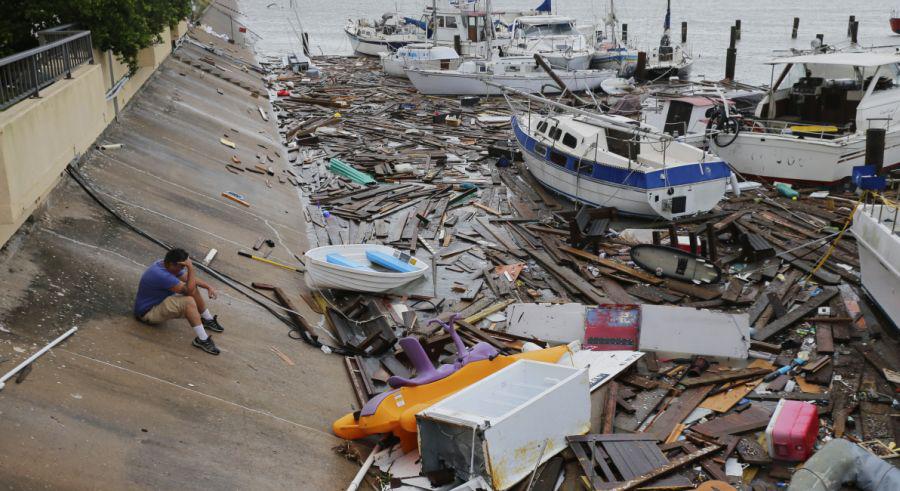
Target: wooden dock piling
x=854 y=32
x=850 y=25
x=624 y=33
x=875 y=148
x=737 y=29
x=683 y=32
x=796 y=28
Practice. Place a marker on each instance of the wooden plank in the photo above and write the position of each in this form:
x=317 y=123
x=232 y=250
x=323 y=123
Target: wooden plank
x=609 y=410
x=616 y=265
x=567 y=275
x=724 y=376
x=824 y=340
x=724 y=401
x=794 y=315
x=751 y=419
x=670 y=467
x=508 y=244
x=665 y=422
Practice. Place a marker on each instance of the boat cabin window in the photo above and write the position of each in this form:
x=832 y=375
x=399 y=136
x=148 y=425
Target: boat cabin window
x=542 y=126
x=623 y=143
x=570 y=141
x=555 y=133
x=558 y=158
x=556 y=29
x=448 y=21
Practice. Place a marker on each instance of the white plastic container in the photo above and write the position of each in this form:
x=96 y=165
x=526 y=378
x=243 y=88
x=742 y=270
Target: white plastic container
x=506 y=424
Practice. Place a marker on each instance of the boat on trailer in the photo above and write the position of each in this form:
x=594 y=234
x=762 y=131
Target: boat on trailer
x=811 y=125
x=613 y=161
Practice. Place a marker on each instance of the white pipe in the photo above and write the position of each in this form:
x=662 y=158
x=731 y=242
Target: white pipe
x=354 y=485
x=35 y=356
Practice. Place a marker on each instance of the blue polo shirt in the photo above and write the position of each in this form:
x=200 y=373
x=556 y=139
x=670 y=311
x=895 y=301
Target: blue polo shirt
x=154 y=287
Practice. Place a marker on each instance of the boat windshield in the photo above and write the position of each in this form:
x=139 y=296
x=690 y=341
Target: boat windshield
x=555 y=29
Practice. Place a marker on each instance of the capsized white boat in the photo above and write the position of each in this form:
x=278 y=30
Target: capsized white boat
x=878 y=235
x=479 y=77
x=613 y=161
x=419 y=56
x=361 y=268
x=811 y=125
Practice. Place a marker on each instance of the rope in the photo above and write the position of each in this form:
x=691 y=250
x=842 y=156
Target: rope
x=837 y=239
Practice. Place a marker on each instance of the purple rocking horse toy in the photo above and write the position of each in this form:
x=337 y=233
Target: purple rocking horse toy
x=425 y=371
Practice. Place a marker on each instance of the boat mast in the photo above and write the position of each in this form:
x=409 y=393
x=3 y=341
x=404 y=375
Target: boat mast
x=433 y=23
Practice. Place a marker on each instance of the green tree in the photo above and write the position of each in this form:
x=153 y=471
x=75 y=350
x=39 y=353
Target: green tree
x=123 y=26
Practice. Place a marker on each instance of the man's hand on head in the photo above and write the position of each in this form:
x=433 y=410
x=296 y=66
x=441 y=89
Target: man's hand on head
x=187 y=263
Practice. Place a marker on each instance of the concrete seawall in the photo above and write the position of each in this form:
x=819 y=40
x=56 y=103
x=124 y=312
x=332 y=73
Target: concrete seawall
x=122 y=405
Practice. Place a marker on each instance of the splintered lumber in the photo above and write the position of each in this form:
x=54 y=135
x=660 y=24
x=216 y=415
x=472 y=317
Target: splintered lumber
x=670 y=467
x=795 y=315
x=609 y=263
x=568 y=276
x=680 y=408
x=290 y=308
x=509 y=245
x=719 y=377
x=497 y=307
x=754 y=418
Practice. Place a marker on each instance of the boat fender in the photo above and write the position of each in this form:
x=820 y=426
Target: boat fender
x=735 y=185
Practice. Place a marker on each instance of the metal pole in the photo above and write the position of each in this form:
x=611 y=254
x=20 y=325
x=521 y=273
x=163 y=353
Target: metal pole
x=66 y=63
x=34 y=73
x=35 y=356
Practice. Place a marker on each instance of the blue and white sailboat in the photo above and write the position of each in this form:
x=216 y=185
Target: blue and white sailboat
x=611 y=161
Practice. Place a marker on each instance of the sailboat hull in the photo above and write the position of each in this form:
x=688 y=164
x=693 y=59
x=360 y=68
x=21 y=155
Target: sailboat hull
x=685 y=190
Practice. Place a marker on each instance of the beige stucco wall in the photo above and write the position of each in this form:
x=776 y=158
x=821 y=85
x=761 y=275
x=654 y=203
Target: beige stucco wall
x=39 y=137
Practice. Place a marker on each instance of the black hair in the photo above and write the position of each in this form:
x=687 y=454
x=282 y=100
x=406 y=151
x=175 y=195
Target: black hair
x=175 y=255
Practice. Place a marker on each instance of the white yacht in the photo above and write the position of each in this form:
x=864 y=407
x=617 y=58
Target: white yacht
x=420 y=56
x=389 y=33
x=552 y=36
x=878 y=238
x=811 y=125
x=614 y=161
x=482 y=77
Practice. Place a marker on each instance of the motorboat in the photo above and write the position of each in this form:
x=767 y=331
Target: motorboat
x=419 y=56
x=614 y=161
x=554 y=37
x=810 y=127
x=611 y=51
x=388 y=34
x=482 y=77
x=878 y=237
x=668 y=59
x=361 y=268
x=686 y=111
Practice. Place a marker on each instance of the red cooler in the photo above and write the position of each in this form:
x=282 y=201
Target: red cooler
x=792 y=431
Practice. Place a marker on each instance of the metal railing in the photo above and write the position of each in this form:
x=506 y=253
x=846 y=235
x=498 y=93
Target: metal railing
x=24 y=74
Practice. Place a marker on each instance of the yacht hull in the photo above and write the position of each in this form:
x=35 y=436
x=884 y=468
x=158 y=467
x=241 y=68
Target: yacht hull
x=807 y=160
x=373 y=47
x=879 y=256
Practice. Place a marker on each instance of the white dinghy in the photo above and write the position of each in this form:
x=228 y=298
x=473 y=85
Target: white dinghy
x=361 y=267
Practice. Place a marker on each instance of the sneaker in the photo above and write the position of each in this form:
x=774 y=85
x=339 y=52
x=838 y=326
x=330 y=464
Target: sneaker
x=213 y=325
x=207 y=346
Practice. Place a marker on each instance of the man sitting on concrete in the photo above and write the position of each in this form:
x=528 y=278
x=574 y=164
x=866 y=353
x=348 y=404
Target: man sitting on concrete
x=169 y=289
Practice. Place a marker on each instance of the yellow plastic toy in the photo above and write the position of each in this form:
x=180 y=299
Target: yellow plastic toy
x=395 y=411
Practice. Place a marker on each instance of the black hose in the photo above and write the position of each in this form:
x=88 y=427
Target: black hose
x=224 y=278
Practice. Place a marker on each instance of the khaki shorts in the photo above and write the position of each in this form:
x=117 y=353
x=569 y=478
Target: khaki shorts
x=173 y=307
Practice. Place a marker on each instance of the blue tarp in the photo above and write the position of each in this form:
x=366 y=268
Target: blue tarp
x=419 y=23
x=545 y=6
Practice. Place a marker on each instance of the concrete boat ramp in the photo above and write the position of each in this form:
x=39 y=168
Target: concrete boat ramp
x=122 y=405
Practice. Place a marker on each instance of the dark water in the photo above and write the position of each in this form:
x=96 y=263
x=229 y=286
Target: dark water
x=766 y=24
